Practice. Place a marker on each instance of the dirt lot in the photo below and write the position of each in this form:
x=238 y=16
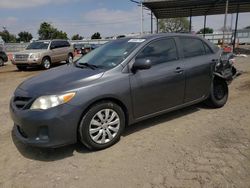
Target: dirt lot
x=192 y=147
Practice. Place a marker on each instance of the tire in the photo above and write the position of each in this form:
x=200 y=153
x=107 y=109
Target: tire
x=21 y=68
x=218 y=94
x=1 y=62
x=70 y=59
x=46 y=63
x=96 y=120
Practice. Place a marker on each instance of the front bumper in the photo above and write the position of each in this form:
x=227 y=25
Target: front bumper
x=29 y=62
x=50 y=128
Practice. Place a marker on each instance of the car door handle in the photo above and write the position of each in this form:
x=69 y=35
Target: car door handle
x=179 y=70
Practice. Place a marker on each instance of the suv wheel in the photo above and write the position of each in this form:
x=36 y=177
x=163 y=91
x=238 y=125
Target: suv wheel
x=21 y=68
x=70 y=59
x=46 y=63
x=218 y=94
x=102 y=125
x=1 y=62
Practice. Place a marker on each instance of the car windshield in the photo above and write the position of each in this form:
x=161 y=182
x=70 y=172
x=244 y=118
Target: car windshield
x=110 y=54
x=38 y=45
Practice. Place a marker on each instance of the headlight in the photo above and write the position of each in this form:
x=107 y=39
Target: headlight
x=49 y=101
x=35 y=56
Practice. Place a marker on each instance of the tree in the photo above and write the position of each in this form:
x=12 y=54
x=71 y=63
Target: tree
x=77 y=37
x=24 y=36
x=7 y=36
x=47 y=31
x=248 y=27
x=205 y=30
x=96 y=36
x=174 y=25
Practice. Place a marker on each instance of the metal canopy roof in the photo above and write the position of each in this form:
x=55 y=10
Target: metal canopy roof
x=186 y=8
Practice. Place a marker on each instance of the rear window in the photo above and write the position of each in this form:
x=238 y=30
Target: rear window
x=192 y=47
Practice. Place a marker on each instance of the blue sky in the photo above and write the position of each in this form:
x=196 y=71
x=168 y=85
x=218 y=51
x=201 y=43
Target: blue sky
x=109 y=17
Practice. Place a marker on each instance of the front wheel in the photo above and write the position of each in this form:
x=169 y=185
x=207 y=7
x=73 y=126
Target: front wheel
x=46 y=63
x=218 y=94
x=102 y=125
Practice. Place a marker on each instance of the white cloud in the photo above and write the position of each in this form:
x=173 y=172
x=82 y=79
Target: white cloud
x=15 y=4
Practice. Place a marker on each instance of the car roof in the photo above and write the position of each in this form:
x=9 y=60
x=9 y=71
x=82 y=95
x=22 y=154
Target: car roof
x=159 y=35
x=50 y=40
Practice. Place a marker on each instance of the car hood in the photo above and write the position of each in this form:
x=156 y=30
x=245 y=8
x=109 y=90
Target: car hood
x=61 y=79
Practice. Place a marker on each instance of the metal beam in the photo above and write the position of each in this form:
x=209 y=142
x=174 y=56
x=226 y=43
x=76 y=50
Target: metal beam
x=157 y=25
x=205 y=22
x=152 y=22
x=236 y=27
x=225 y=24
x=190 y=21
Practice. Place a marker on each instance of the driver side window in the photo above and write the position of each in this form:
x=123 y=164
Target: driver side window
x=160 y=51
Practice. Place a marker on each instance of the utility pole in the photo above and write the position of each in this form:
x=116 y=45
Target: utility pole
x=141 y=5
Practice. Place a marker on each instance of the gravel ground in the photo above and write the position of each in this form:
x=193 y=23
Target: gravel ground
x=193 y=147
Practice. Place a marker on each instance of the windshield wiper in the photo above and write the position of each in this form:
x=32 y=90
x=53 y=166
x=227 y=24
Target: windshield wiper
x=89 y=65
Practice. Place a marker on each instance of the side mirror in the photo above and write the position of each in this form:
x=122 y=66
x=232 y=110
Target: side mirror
x=141 y=64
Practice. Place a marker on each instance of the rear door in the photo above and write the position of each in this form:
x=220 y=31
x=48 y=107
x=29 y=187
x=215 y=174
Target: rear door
x=55 y=52
x=162 y=86
x=198 y=61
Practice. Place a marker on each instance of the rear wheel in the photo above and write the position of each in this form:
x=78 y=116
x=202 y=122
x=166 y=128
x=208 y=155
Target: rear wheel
x=102 y=125
x=21 y=68
x=46 y=63
x=218 y=94
x=1 y=62
x=70 y=59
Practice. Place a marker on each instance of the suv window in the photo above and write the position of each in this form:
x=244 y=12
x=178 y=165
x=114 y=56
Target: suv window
x=192 y=47
x=160 y=51
x=65 y=44
x=60 y=44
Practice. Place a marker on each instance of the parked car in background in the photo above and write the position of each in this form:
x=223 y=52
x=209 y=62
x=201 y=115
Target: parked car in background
x=78 y=47
x=3 y=56
x=118 y=84
x=83 y=48
x=44 y=53
x=89 y=47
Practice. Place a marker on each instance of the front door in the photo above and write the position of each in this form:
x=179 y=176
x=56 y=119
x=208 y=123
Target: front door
x=162 y=86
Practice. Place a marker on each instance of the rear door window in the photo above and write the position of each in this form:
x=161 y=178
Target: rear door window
x=192 y=47
x=207 y=49
x=159 y=51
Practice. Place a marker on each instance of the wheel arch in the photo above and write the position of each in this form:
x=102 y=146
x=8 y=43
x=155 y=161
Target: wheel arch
x=47 y=56
x=109 y=99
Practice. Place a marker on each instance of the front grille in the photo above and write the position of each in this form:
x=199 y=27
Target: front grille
x=22 y=102
x=21 y=57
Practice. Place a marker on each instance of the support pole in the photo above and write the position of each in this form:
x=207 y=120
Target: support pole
x=236 y=27
x=190 y=21
x=225 y=24
x=157 y=25
x=152 y=23
x=141 y=18
x=205 y=23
